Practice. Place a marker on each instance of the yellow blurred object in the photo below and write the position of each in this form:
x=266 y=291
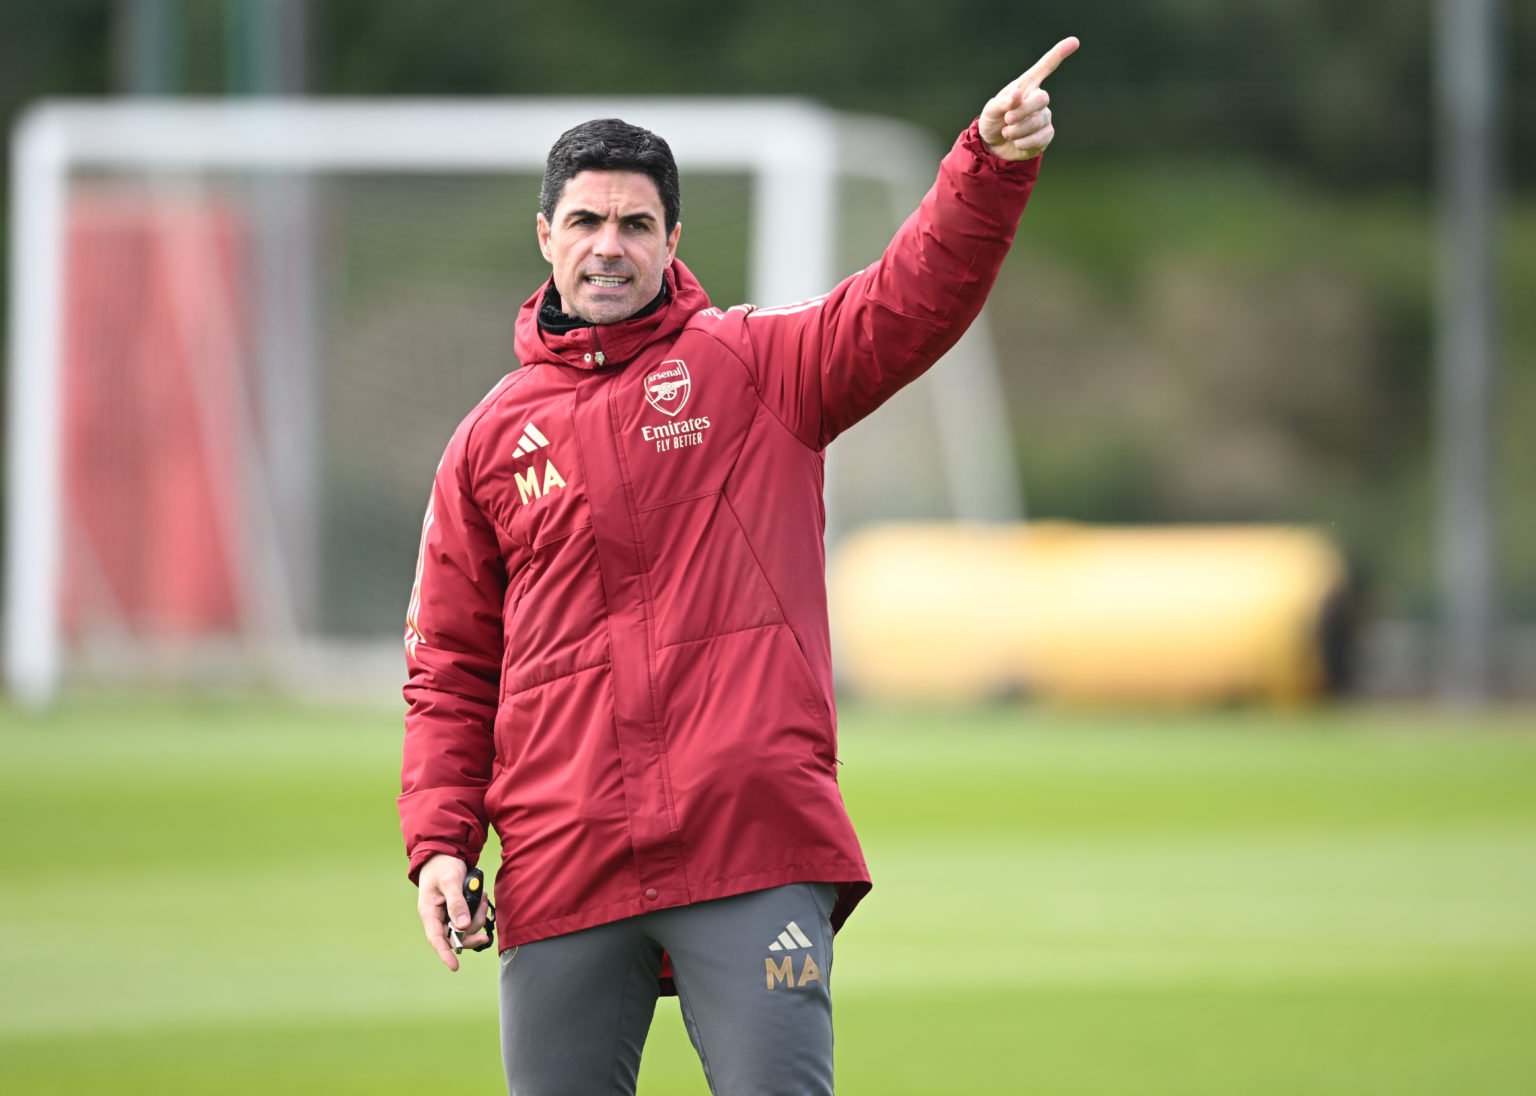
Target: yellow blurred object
x=1168 y=615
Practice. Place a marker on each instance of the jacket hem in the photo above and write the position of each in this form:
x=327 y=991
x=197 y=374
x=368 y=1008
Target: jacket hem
x=851 y=877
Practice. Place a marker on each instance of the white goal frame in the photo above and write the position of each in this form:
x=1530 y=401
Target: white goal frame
x=795 y=152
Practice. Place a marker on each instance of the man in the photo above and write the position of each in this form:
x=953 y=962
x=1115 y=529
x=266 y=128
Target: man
x=617 y=640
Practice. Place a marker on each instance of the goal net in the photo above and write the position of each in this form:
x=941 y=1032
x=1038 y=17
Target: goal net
x=241 y=335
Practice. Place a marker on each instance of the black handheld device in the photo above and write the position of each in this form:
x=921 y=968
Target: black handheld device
x=474 y=894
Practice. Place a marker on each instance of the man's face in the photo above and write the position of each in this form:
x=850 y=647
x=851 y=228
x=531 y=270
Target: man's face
x=608 y=244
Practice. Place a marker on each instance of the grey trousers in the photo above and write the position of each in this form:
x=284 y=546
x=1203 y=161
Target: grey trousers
x=753 y=975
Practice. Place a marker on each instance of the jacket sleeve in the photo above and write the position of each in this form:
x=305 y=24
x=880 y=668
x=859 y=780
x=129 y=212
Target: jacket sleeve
x=453 y=645
x=822 y=365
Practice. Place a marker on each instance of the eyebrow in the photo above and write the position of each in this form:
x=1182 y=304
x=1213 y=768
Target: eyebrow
x=641 y=215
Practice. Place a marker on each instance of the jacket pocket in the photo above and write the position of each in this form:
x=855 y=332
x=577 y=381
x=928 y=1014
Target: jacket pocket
x=705 y=579
x=813 y=693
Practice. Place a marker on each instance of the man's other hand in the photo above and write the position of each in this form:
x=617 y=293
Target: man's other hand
x=440 y=898
x=1016 y=122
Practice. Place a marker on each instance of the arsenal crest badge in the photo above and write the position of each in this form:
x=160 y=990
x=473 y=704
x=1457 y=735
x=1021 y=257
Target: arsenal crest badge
x=667 y=388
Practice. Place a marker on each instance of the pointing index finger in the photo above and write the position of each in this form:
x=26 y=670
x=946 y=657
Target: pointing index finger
x=1047 y=64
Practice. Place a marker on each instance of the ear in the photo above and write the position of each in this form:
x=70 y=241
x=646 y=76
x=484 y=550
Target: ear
x=542 y=227
x=672 y=238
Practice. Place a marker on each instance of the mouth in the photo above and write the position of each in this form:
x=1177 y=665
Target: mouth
x=606 y=281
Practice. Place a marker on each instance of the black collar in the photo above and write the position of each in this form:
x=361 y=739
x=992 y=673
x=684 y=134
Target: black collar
x=553 y=319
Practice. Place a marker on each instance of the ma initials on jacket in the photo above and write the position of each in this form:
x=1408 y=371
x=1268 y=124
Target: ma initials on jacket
x=530 y=486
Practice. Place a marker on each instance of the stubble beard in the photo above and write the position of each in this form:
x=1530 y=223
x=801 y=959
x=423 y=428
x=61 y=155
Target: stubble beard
x=603 y=311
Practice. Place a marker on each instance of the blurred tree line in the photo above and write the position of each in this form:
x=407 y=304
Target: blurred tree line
x=1338 y=91
x=1239 y=256
x=1342 y=91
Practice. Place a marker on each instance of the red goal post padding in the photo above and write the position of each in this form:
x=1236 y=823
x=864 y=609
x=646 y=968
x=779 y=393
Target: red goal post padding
x=155 y=339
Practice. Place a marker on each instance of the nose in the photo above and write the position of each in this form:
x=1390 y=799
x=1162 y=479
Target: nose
x=608 y=243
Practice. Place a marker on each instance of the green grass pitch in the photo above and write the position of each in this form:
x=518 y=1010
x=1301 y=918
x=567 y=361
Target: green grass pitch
x=201 y=896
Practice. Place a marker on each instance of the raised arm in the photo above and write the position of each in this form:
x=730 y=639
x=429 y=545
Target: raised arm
x=825 y=363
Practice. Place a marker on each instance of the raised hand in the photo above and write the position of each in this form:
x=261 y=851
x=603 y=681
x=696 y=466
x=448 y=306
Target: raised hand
x=1016 y=122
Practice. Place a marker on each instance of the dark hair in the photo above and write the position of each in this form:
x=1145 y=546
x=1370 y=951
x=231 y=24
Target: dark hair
x=610 y=144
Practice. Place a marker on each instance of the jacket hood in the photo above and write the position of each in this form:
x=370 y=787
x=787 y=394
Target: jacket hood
x=608 y=345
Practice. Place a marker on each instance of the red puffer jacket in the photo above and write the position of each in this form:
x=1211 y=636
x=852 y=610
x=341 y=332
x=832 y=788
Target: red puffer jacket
x=617 y=642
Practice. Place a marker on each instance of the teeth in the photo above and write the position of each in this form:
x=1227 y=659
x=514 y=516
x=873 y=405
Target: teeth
x=604 y=280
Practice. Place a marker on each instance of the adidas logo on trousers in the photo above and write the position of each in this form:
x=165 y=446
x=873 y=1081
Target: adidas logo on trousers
x=790 y=939
x=781 y=972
